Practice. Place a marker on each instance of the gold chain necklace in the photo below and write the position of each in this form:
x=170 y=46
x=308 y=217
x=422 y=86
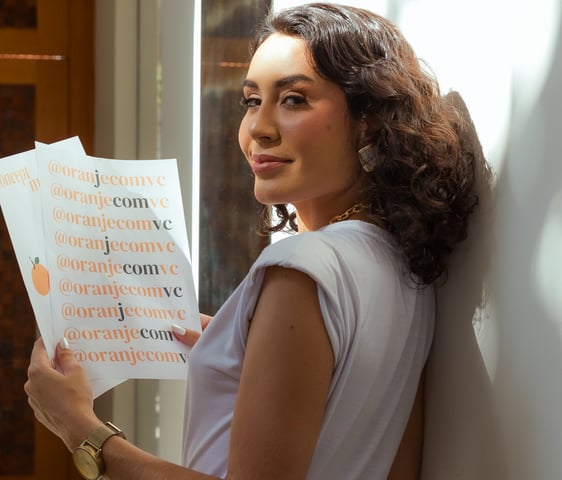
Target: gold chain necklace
x=358 y=207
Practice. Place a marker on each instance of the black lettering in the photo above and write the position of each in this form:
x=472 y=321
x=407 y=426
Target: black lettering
x=120 y=308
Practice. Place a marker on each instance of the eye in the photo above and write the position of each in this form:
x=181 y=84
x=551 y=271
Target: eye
x=294 y=100
x=250 y=102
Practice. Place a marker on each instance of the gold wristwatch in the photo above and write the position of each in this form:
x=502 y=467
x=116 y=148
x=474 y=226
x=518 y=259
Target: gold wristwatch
x=87 y=457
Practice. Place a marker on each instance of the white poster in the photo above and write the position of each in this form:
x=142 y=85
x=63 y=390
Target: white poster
x=102 y=248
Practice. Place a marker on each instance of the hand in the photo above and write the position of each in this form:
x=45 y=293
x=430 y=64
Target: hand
x=190 y=337
x=61 y=399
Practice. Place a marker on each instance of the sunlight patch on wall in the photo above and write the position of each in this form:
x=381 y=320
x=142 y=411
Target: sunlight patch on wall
x=535 y=28
x=534 y=34
x=467 y=46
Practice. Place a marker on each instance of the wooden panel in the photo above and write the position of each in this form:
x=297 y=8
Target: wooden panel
x=27 y=450
x=45 y=95
x=17 y=133
x=51 y=115
x=50 y=79
x=17 y=332
x=81 y=53
x=52 y=461
x=18 y=14
x=18 y=71
x=50 y=36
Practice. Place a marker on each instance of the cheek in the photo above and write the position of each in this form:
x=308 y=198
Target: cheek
x=307 y=131
x=243 y=137
x=320 y=137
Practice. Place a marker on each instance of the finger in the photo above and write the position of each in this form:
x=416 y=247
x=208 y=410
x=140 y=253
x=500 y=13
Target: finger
x=39 y=369
x=64 y=356
x=205 y=320
x=187 y=337
x=39 y=353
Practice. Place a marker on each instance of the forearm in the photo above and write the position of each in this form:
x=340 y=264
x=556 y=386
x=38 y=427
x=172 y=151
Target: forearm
x=124 y=461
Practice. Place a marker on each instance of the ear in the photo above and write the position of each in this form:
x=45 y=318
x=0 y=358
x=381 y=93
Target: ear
x=369 y=125
x=362 y=132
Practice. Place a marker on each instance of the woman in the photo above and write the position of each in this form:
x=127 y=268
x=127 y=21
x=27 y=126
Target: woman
x=311 y=367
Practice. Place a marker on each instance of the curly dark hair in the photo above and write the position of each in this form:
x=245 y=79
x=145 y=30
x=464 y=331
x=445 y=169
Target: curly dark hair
x=421 y=187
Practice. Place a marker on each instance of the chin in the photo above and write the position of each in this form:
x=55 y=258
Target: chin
x=269 y=198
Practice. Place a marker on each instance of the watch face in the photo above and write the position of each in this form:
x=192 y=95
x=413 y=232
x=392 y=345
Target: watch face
x=87 y=463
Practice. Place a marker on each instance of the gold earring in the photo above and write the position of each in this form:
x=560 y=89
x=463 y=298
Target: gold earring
x=367 y=157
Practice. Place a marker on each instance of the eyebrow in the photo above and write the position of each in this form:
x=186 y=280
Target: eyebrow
x=282 y=82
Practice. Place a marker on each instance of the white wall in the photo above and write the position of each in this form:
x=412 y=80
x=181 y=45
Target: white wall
x=494 y=386
x=526 y=277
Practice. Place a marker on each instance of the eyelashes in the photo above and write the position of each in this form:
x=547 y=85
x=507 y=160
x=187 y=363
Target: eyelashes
x=249 y=102
x=291 y=101
x=295 y=100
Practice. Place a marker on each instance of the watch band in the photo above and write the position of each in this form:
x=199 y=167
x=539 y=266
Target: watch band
x=101 y=434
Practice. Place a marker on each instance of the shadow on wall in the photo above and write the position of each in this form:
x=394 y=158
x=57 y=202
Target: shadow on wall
x=527 y=282
x=461 y=438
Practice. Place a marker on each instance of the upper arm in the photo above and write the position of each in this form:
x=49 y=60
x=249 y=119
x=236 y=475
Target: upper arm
x=284 y=383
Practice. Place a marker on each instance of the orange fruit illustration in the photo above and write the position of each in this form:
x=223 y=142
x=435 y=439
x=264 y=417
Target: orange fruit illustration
x=40 y=277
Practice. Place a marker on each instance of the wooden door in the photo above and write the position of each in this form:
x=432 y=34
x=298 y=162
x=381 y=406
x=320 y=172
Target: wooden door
x=46 y=94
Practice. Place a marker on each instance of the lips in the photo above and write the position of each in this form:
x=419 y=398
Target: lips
x=264 y=163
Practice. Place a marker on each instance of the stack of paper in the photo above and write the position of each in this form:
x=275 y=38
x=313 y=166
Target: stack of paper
x=102 y=248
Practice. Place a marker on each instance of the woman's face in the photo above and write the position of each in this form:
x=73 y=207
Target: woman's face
x=297 y=134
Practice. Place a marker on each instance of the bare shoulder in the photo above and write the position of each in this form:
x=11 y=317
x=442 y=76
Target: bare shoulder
x=288 y=305
x=284 y=383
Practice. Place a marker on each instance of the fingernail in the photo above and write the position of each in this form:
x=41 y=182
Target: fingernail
x=64 y=343
x=178 y=330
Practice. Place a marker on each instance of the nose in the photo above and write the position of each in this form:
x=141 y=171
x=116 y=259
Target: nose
x=263 y=126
